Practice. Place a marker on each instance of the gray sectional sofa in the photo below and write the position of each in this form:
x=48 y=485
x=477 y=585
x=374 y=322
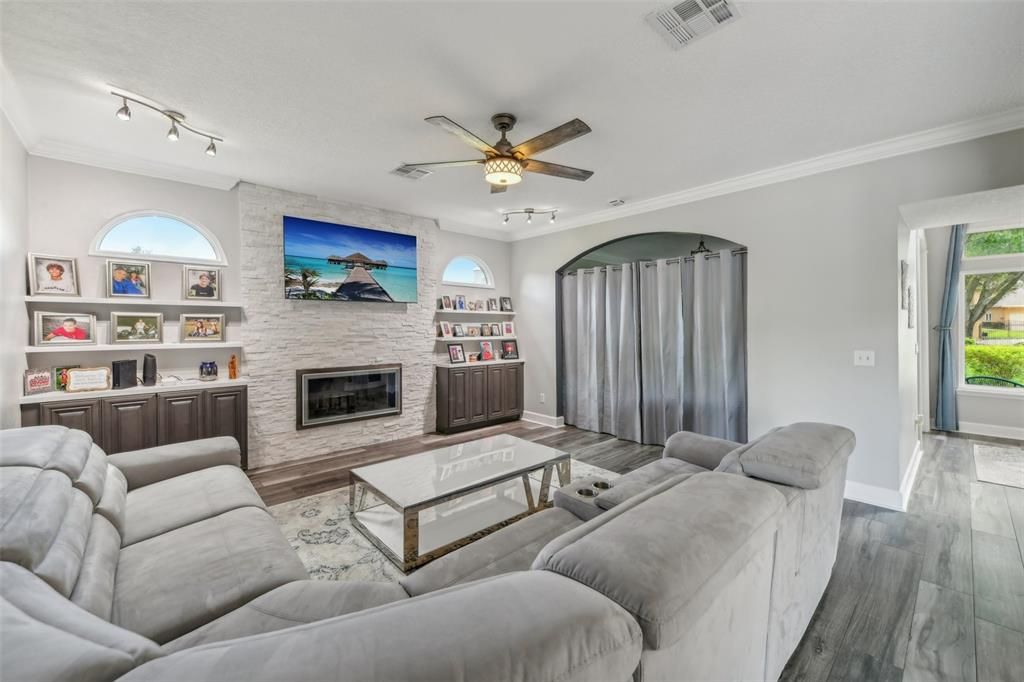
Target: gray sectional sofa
x=164 y=564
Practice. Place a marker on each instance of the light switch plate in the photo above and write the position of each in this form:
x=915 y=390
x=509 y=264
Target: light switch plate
x=864 y=358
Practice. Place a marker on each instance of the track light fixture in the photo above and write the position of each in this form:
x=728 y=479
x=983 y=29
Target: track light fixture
x=177 y=121
x=529 y=213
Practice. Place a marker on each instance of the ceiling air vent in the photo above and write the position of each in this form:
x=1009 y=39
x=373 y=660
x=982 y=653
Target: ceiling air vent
x=410 y=173
x=683 y=23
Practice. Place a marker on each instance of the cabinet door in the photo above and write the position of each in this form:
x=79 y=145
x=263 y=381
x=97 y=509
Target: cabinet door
x=495 y=392
x=458 y=397
x=179 y=417
x=513 y=389
x=477 y=394
x=226 y=415
x=129 y=423
x=83 y=415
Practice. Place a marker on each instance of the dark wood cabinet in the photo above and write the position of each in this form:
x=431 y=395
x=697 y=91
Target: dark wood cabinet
x=469 y=396
x=141 y=420
x=128 y=423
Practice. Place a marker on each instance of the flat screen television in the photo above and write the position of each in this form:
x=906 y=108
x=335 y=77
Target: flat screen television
x=332 y=262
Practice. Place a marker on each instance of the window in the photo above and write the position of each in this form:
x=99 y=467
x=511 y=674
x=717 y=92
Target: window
x=158 y=236
x=468 y=271
x=992 y=311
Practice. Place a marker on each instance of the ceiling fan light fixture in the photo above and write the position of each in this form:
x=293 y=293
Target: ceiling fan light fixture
x=503 y=170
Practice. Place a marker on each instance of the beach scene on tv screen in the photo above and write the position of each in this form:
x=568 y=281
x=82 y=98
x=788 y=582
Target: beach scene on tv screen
x=332 y=262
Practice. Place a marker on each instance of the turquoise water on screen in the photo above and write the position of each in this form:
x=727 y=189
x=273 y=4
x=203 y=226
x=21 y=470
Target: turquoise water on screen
x=400 y=283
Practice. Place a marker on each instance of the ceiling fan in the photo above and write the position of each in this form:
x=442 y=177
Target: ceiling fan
x=504 y=164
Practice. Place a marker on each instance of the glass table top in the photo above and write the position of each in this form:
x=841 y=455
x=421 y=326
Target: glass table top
x=435 y=474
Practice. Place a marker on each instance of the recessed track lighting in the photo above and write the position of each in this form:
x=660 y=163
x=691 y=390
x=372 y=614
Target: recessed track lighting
x=529 y=213
x=177 y=120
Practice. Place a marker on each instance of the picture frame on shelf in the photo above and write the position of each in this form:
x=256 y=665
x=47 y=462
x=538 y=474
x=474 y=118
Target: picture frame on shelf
x=460 y=302
x=457 y=330
x=63 y=329
x=485 y=329
x=82 y=379
x=444 y=329
x=445 y=303
x=456 y=353
x=492 y=304
x=472 y=331
x=200 y=283
x=60 y=376
x=201 y=328
x=509 y=350
x=38 y=381
x=128 y=328
x=128 y=278
x=508 y=328
x=495 y=329
x=52 y=275
x=486 y=350
x=506 y=304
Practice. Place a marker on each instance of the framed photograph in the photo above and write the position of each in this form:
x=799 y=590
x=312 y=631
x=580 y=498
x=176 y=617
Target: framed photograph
x=904 y=269
x=52 y=275
x=457 y=330
x=88 y=379
x=72 y=329
x=506 y=304
x=460 y=302
x=446 y=302
x=127 y=279
x=492 y=304
x=456 y=354
x=445 y=329
x=200 y=284
x=198 y=328
x=38 y=381
x=473 y=331
x=509 y=350
x=60 y=376
x=486 y=350
x=485 y=329
x=495 y=330
x=508 y=329
x=136 y=327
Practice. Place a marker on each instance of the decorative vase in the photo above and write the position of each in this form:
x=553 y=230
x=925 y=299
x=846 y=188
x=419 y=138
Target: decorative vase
x=208 y=371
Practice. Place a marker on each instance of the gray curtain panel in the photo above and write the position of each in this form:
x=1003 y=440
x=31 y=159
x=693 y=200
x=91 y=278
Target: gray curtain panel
x=599 y=335
x=945 y=406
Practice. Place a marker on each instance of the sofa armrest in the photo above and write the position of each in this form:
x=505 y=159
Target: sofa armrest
x=695 y=448
x=142 y=467
x=532 y=625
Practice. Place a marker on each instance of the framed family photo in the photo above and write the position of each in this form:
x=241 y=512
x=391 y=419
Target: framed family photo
x=444 y=329
x=492 y=304
x=508 y=329
x=127 y=279
x=136 y=327
x=445 y=303
x=457 y=330
x=52 y=275
x=460 y=302
x=456 y=353
x=197 y=328
x=200 y=283
x=506 y=304
x=509 y=350
x=56 y=329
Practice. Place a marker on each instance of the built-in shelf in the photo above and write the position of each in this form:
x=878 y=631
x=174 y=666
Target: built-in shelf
x=475 y=312
x=478 y=363
x=459 y=339
x=128 y=347
x=127 y=302
x=163 y=387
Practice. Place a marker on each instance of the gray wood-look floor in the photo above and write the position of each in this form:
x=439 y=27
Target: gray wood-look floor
x=936 y=593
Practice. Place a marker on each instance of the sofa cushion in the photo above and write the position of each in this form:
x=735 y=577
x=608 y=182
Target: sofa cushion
x=513 y=548
x=663 y=570
x=94 y=590
x=303 y=601
x=176 y=582
x=643 y=478
x=55 y=448
x=164 y=506
x=798 y=454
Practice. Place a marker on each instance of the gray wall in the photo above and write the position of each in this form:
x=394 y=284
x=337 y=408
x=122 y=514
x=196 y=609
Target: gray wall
x=13 y=246
x=822 y=281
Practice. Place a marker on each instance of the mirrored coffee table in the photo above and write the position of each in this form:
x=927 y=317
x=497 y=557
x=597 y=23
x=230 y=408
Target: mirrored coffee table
x=417 y=508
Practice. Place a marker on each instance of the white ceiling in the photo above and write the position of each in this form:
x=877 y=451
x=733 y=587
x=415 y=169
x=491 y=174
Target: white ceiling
x=327 y=98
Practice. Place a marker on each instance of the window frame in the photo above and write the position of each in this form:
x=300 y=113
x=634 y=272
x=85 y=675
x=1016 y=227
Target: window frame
x=488 y=273
x=95 y=250
x=992 y=227
x=979 y=265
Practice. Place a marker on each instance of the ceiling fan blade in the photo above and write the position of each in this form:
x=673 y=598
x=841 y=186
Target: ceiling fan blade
x=444 y=164
x=454 y=128
x=557 y=170
x=498 y=189
x=552 y=138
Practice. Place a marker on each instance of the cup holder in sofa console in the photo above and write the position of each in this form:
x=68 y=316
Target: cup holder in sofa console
x=601 y=485
x=586 y=492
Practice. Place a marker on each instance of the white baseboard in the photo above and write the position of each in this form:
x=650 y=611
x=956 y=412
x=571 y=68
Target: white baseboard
x=873 y=494
x=1015 y=432
x=907 y=486
x=544 y=419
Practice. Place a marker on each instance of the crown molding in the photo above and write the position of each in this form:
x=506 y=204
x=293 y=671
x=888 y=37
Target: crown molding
x=90 y=156
x=896 y=146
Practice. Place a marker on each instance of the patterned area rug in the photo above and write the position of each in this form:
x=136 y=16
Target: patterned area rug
x=1000 y=464
x=331 y=549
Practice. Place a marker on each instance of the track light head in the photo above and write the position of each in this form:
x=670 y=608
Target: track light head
x=505 y=220
x=552 y=217
x=124 y=113
x=211 y=149
x=529 y=217
x=172 y=134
